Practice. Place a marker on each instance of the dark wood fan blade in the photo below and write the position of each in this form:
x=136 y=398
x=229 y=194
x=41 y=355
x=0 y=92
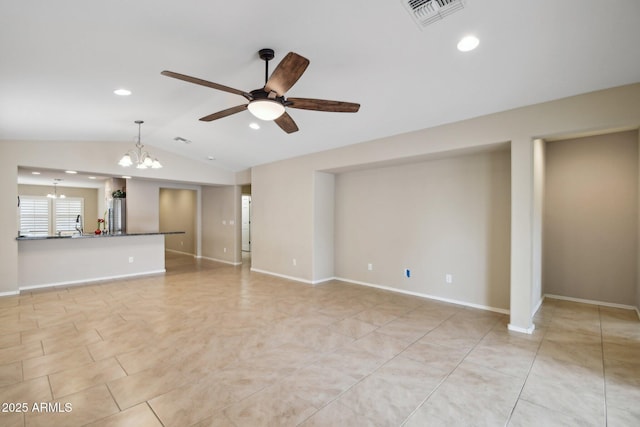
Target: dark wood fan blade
x=286 y=73
x=286 y=123
x=206 y=83
x=323 y=105
x=224 y=113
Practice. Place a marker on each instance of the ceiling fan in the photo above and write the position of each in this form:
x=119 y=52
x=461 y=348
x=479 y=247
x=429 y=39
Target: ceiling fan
x=269 y=102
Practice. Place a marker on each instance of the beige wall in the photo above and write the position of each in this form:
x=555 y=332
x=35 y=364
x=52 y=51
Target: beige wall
x=90 y=195
x=69 y=261
x=323 y=226
x=178 y=212
x=221 y=220
x=81 y=156
x=591 y=218
x=282 y=192
x=448 y=216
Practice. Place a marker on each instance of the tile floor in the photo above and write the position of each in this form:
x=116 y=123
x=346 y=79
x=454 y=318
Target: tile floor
x=213 y=345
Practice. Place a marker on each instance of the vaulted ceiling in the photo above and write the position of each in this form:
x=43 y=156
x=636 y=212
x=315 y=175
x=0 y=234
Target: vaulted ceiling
x=60 y=62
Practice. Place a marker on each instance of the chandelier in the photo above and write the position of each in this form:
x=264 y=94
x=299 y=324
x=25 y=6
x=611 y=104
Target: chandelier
x=140 y=158
x=55 y=195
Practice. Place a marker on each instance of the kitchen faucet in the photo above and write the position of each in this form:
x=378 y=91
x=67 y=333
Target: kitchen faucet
x=79 y=224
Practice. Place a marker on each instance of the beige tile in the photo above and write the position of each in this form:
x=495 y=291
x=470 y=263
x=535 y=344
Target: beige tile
x=622 y=350
x=145 y=385
x=353 y=328
x=619 y=417
x=10 y=340
x=216 y=345
x=29 y=391
x=622 y=384
x=56 y=362
x=390 y=394
x=571 y=389
x=270 y=407
x=471 y=395
x=20 y=352
x=506 y=358
x=60 y=331
x=138 y=416
x=77 y=409
x=10 y=373
x=405 y=329
x=54 y=345
x=440 y=359
x=12 y=419
x=376 y=316
x=527 y=414
x=178 y=407
x=217 y=420
x=381 y=344
x=336 y=414
x=76 y=379
x=352 y=361
x=317 y=384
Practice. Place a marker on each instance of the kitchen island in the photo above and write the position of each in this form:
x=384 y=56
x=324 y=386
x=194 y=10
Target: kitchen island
x=46 y=261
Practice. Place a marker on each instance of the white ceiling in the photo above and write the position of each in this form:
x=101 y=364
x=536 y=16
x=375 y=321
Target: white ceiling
x=61 y=60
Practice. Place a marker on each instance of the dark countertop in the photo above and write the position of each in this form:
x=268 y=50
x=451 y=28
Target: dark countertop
x=95 y=236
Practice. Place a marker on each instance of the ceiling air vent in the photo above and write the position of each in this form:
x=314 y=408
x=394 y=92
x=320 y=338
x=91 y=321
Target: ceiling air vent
x=425 y=12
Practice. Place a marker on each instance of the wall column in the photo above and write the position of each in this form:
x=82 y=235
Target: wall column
x=522 y=209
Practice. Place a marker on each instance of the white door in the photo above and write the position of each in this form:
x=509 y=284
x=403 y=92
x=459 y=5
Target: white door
x=246 y=223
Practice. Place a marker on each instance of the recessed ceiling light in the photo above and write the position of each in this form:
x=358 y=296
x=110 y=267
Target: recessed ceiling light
x=35 y=173
x=254 y=126
x=211 y=158
x=126 y=176
x=122 y=92
x=71 y=172
x=468 y=43
x=92 y=177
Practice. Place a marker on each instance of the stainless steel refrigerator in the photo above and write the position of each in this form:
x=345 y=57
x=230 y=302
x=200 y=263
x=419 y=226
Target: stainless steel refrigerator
x=117 y=216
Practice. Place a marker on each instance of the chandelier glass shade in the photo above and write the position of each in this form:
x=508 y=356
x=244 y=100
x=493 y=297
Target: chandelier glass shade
x=139 y=157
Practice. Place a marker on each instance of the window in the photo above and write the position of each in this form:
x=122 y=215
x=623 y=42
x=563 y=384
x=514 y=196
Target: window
x=41 y=216
x=34 y=216
x=66 y=212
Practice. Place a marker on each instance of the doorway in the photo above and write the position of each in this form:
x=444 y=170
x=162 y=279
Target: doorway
x=246 y=223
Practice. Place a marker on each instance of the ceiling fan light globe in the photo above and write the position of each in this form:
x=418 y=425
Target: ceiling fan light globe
x=266 y=109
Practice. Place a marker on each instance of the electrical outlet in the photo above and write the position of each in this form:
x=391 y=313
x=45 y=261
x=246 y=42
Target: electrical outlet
x=370 y=267
x=225 y=250
x=448 y=278
x=130 y=259
x=295 y=262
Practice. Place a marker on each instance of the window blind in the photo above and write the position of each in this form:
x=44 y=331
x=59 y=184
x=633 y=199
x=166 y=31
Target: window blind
x=34 y=216
x=66 y=212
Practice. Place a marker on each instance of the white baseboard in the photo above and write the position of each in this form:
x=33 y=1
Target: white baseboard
x=173 y=251
x=592 y=302
x=283 y=276
x=433 y=297
x=10 y=293
x=537 y=307
x=515 y=328
x=219 y=260
x=92 y=280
